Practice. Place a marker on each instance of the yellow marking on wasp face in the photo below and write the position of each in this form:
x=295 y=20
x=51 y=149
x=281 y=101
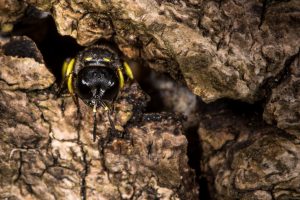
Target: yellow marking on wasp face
x=106 y=60
x=128 y=70
x=121 y=77
x=88 y=58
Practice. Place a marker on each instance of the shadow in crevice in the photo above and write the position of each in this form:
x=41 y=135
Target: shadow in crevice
x=194 y=155
x=41 y=28
x=161 y=88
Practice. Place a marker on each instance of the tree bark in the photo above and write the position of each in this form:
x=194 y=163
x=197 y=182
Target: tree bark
x=243 y=158
x=44 y=155
x=242 y=50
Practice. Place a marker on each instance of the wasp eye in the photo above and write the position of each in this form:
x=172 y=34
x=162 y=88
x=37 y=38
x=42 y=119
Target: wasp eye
x=96 y=83
x=84 y=91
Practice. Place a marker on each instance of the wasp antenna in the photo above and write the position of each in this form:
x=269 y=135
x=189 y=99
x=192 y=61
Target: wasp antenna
x=108 y=110
x=105 y=106
x=95 y=121
x=60 y=88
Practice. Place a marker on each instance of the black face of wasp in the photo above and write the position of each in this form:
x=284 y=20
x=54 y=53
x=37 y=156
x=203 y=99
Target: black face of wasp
x=95 y=85
x=95 y=76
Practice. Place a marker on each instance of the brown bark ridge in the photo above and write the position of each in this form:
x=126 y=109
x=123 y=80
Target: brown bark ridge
x=219 y=48
x=242 y=50
x=44 y=155
x=246 y=159
x=10 y=12
x=239 y=50
x=283 y=107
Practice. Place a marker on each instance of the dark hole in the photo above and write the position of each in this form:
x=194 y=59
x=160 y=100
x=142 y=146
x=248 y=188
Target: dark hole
x=54 y=47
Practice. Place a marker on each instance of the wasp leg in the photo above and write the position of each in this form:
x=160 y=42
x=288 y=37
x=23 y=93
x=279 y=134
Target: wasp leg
x=63 y=107
x=61 y=87
x=128 y=70
x=108 y=111
x=70 y=74
x=112 y=125
x=112 y=132
x=76 y=101
x=112 y=105
x=95 y=121
x=121 y=77
x=67 y=71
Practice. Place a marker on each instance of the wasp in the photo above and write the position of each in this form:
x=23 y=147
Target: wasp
x=96 y=76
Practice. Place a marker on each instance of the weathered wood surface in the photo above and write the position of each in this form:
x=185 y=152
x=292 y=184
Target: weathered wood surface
x=44 y=156
x=243 y=158
x=242 y=50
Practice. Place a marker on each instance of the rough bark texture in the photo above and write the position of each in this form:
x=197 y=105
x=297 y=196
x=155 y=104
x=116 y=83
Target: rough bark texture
x=283 y=107
x=11 y=11
x=234 y=49
x=244 y=158
x=219 y=48
x=242 y=50
x=45 y=156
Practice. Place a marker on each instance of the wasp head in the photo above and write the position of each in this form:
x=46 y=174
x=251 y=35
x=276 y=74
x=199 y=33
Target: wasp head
x=96 y=85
